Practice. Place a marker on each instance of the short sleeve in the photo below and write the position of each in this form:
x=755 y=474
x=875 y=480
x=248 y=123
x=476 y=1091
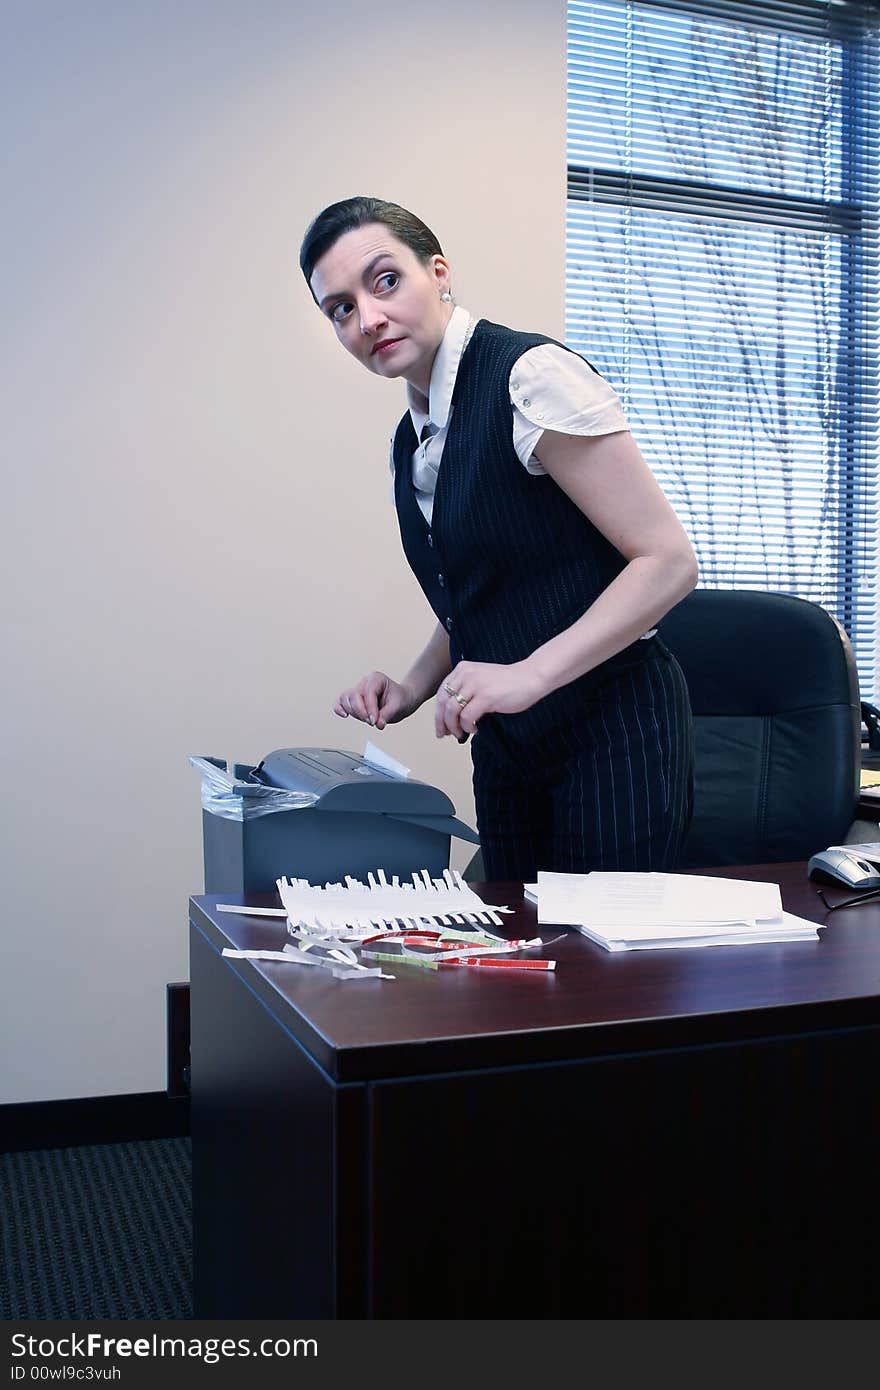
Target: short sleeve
x=554 y=389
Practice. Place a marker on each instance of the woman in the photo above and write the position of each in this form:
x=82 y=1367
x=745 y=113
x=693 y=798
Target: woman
x=545 y=548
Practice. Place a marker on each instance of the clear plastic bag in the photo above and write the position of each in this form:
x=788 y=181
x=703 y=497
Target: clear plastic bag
x=231 y=798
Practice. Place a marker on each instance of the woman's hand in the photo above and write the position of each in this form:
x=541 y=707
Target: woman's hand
x=475 y=688
x=377 y=700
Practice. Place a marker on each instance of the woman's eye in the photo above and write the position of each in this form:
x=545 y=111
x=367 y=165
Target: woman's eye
x=389 y=281
x=340 y=311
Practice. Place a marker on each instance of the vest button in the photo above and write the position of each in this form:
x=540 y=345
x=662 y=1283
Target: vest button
x=441 y=580
x=430 y=540
x=448 y=624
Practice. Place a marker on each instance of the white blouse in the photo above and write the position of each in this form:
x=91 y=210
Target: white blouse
x=550 y=389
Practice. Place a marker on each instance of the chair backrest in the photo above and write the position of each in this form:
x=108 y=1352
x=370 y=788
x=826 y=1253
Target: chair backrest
x=775 y=696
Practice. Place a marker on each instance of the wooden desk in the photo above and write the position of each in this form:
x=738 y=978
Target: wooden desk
x=683 y=1133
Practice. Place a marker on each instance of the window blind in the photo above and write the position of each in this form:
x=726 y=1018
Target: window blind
x=721 y=272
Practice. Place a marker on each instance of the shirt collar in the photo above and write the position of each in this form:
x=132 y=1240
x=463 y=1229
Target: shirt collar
x=443 y=374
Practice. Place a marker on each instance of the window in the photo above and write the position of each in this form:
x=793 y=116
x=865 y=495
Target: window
x=722 y=274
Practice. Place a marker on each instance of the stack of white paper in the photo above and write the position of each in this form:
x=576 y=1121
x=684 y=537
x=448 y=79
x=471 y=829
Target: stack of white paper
x=632 y=911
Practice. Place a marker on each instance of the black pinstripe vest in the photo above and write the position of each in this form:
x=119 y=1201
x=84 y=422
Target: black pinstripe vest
x=508 y=560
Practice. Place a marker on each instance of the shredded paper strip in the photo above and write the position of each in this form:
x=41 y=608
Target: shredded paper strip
x=354 y=928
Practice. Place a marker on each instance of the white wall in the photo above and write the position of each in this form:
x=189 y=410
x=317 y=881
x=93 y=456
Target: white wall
x=198 y=540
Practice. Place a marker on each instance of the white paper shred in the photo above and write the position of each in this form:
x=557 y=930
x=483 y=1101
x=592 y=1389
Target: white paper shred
x=354 y=909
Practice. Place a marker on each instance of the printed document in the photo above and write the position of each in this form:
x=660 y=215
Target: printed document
x=626 y=911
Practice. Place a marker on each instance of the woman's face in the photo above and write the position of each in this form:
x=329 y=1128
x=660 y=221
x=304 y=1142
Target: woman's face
x=384 y=302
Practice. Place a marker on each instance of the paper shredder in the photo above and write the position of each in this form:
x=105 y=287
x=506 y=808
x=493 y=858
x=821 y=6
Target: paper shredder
x=318 y=814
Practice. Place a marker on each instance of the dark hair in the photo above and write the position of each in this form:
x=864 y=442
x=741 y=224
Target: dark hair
x=339 y=218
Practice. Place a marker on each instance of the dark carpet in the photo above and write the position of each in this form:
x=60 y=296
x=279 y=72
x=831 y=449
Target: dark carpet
x=98 y=1231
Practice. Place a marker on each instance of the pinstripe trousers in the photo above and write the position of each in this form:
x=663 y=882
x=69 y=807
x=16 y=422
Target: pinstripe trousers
x=613 y=791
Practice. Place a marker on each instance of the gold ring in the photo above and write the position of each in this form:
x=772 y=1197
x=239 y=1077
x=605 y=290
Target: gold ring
x=456 y=695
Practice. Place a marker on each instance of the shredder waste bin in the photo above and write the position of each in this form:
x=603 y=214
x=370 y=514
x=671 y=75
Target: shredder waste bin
x=318 y=814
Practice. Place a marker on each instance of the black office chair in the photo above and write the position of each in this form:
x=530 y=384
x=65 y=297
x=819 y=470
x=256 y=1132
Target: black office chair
x=777 y=717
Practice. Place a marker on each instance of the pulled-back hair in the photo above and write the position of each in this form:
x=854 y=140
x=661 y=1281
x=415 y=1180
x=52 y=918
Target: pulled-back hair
x=339 y=218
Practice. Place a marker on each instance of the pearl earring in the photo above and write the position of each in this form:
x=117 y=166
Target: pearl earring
x=446 y=297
